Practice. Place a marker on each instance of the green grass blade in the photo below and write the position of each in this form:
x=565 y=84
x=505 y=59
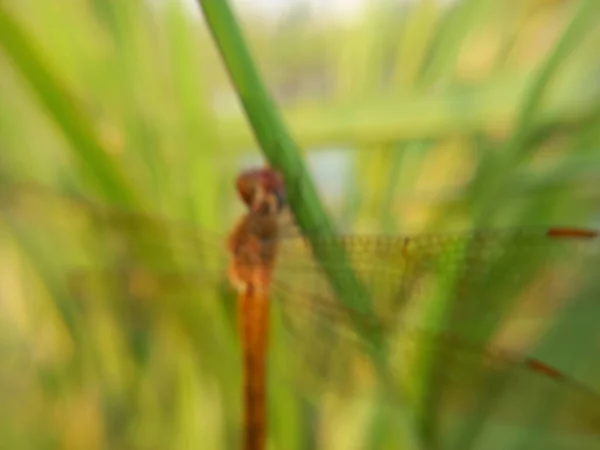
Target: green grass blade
x=582 y=23
x=62 y=108
x=278 y=146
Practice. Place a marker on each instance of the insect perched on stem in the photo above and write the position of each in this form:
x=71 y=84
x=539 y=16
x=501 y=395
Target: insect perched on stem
x=485 y=280
x=253 y=245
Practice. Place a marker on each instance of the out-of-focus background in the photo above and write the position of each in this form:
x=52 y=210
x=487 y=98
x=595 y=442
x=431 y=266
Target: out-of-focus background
x=414 y=116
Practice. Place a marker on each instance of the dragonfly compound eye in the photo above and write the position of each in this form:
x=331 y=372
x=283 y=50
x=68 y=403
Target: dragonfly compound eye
x=264 y=181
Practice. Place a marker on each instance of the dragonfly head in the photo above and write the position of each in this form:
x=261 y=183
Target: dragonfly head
x=257 y=185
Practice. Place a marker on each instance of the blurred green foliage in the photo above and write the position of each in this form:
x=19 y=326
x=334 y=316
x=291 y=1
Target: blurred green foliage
x=456 y=116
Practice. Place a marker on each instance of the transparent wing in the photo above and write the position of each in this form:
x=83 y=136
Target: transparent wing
x=480 y=275
x=320 y=351
x=109 y=235
x=488 y=283
x=396 y=272
x=484 y=282
x=479 y=278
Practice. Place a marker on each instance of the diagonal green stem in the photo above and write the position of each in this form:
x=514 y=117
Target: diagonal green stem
x=284 y=154
x=280 y=149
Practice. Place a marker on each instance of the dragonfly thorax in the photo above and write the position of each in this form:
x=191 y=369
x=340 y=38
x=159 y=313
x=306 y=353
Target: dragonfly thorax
x=253 y=248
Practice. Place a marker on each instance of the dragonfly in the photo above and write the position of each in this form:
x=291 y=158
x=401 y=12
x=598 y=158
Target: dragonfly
x=486 y=279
